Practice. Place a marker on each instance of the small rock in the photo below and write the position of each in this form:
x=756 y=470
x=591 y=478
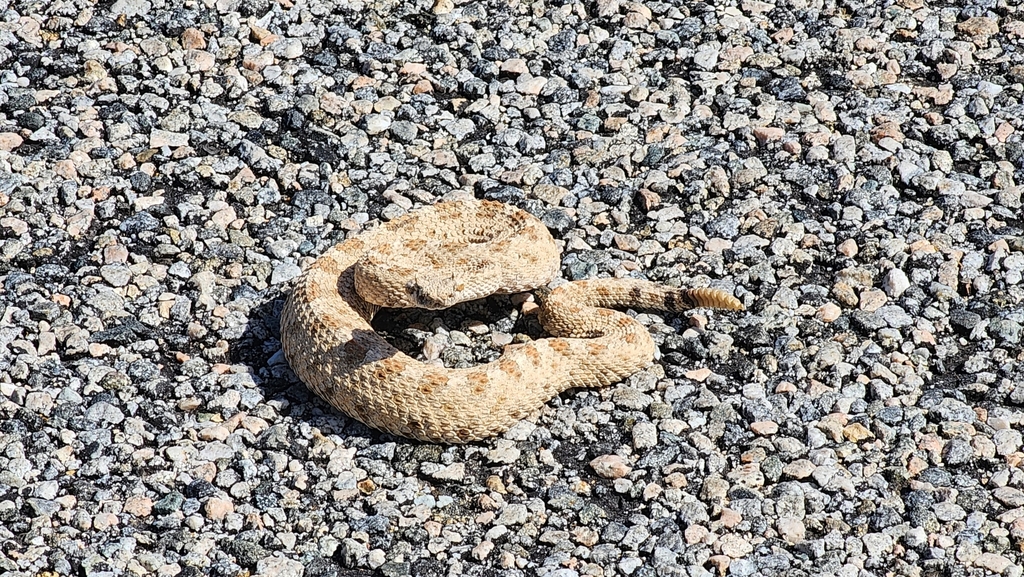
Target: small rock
x=481 y=551
x=957 y=452
x=992 y=562
x=895 y=283
x=765 y=134
x=978 y=28
x=216 y=509
x=799 y=469
x=611 y=466
x=284 y=272
x=735 y=546
x=505 y=452
x=915 y=537
x=871 y=300
x=856 y=432
x=645 y=435
x=160 y=138
x=453 y=472
x=9 y=141
x=138 y=506
x=1006 y=330
x=828 y=312
x=193 y=39
x=377 y=123
x=104 y=521
x=199 y=61
x=1007 y=441
x=877 y=544
x=792 y=530
x=103 y=411
x=764 y=428
x=279 y=567
x=513 y=514
x=404 y=131
x=848 y=248
x=514 y=66
x=116 y=275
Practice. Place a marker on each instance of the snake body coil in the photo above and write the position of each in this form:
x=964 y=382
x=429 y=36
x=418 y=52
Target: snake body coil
x=441 y=255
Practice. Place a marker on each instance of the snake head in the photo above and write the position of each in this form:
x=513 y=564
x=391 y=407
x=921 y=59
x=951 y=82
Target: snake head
x=435 y=292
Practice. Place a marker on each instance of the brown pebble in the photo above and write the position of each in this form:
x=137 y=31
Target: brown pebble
x=138 y=506
x=699 y=375
x=676 y=480
x=366 y=486
x=720 y=562
x=856 y=432
x=764 y=428
x=193 y=39
x=586 y=536
x=413 y=69
x=848 y=248
x=647 y=199
x=699 y=322
x=978 y=29
x=486 y=503
x=102 y=521
x=799 y=469
x=730 y=518
x=610 y=466
x=785 y=387
x=828 y=312
x=872 y=299
x=9 y=141
x=495 y=484
x=443 y=7
x=845 y=294
x=423 y=87
x=216 y=509
x=695 y=534
x=98 y=349
x=765 y=134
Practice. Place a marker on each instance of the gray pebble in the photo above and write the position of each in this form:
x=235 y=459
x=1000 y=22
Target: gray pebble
x=377 y=123
x=147 y=241
x=645 y=435
x=404 y=130
x=513 y=514
x=104 y=412
x=285 y=272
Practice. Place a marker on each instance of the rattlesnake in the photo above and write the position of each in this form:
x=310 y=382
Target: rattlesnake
x=415 y=261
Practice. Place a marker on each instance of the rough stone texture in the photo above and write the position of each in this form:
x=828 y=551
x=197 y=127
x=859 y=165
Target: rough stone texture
x=167 y=169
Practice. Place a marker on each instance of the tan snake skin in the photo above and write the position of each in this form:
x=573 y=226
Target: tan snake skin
x=436 y=257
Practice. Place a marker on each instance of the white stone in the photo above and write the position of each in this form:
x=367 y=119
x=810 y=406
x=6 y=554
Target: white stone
x=377 y=123
x=895 y=283
x=160 y=138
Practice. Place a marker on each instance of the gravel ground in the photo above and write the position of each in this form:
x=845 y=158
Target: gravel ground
x=848 y=169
